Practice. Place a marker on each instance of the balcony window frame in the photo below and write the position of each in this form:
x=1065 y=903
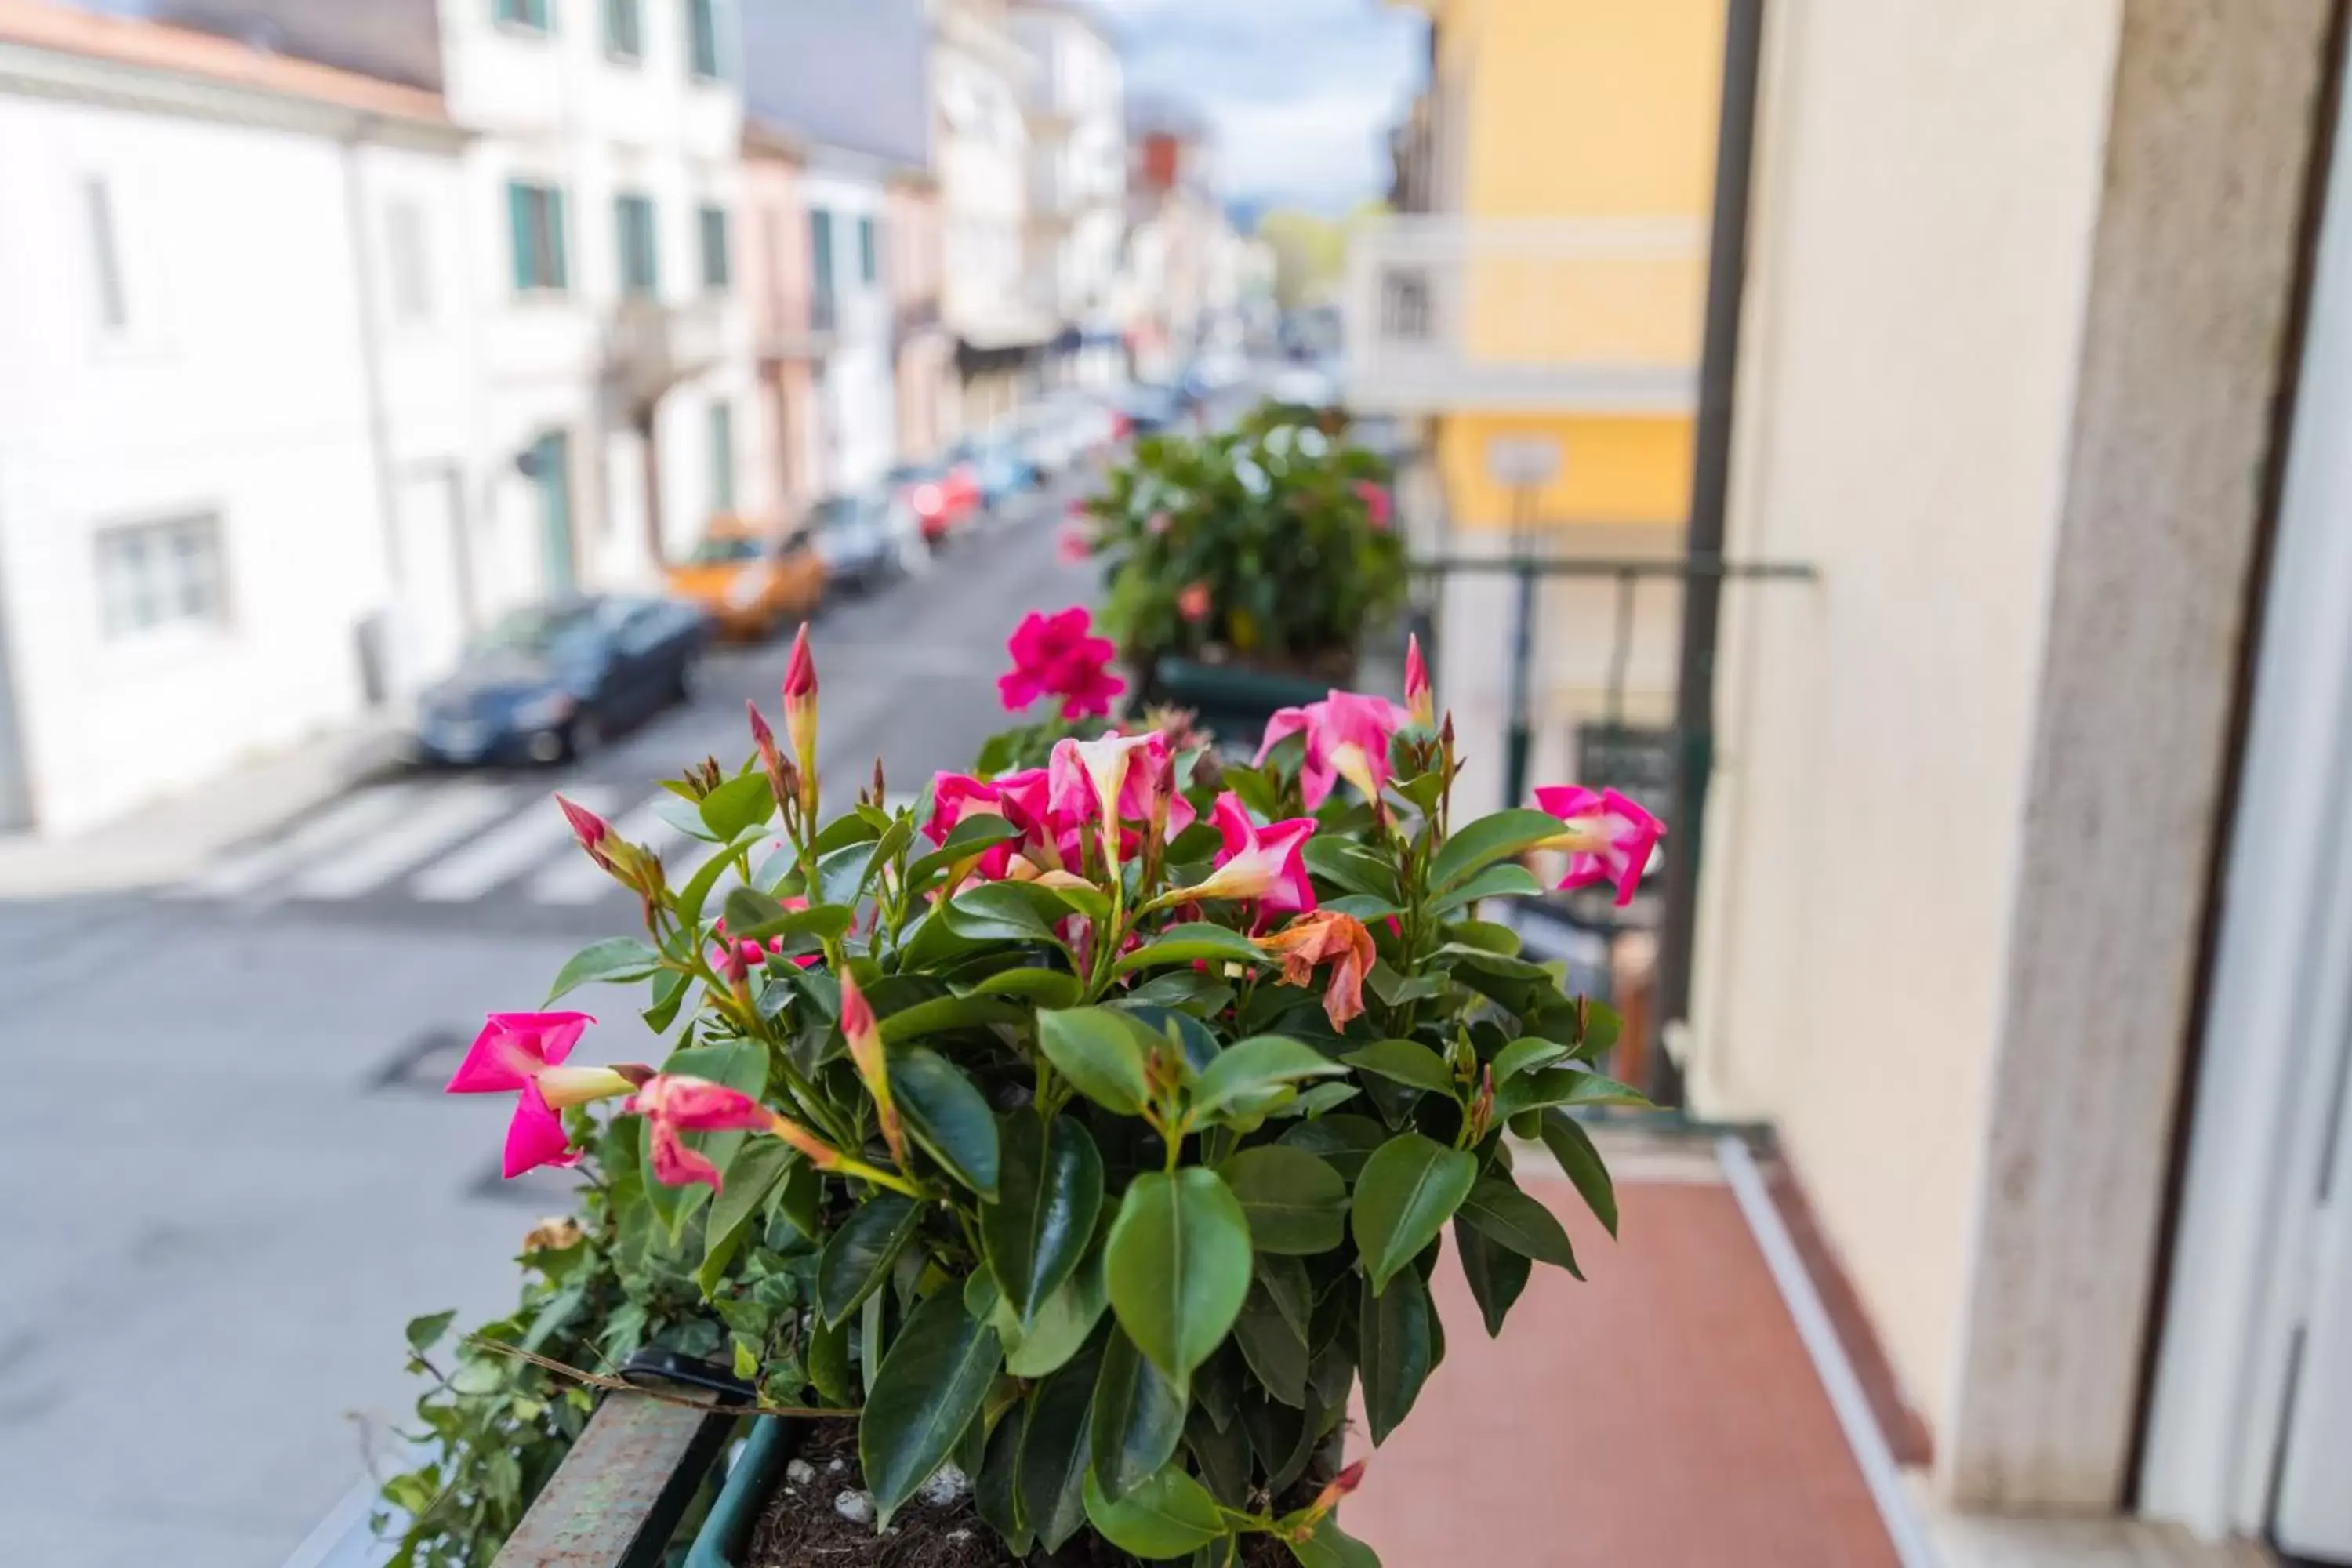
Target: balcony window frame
x=192 y=606
x=625 y=17
x=704 y=56
x=636 y=232
x=524 y=18
x=540 y=251
x=714 y=228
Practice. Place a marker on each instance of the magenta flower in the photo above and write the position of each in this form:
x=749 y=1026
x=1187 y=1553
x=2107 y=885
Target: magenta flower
x=525 y=1052
x=1376 y=504
x=1058 y=655
x=1261 y=863
x=672 y=1104
x=1609 y=838
x=1348 y=736
x=955 y=796
x=1072 y=544
x=1419 y=701
x=1194 y=604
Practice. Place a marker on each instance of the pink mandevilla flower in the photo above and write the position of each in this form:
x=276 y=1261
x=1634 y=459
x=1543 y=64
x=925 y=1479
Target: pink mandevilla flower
x=1608 y=836
x=1193 y=603
x=1058 y=655
x=1261 y=863
x=1348 y=736
x=1419 y=700
x=1376 y=504
x=525 y=1052
x=672 y=1104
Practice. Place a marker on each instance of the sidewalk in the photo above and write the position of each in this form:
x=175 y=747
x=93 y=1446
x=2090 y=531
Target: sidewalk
x=168 y=840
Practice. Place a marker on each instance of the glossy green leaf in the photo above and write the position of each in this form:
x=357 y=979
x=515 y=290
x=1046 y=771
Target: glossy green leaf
x=974 y=835
x=1331 y=1547
x=1408 y=1188
x=828 y=1362
x=1044 y=987
x=1526 y=1054
x=1407 y=1062
x=1564 y=1087
x=1178 y=1264
x=743 y=801
x=1189 y=943
x=1275 y=1348
x=1137 y=1419
x=617 y=959
x=932 y=1383
x=996 y=912
x=1063 y=1323
x=857 y=1256
x=753 y=916
x=1240 y=1075
x=1352 y=866
x=1343 y=1142
x=425 y=1333
x=1507 y=1216
x=1296 y=1204
x=1101 y=1052
x=995 y=1489
x=937 y=1015
x=1495 y=1273
x=758 y=1167
x=1054 y=1451
x=949 y=1116
x=1171 y=1515
x=696 y=890
x=1315 y=1101
x=1581 y=1162
x=1394 y=1350
x=1049 y=1193
x=1480 y=844
x=1221 y=1454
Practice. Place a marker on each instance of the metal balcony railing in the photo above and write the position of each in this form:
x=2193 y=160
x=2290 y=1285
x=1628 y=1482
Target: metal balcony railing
x=1601 y=315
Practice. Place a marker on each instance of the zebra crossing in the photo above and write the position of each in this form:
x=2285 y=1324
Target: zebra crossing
x=439 y=843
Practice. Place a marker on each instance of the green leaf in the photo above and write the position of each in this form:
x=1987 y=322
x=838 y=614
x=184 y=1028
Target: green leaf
x=753 y=916
x=1048 y=1194
x=1044 y=987
x=1187 y=943
x=425 y=1333
x=1490 y=838
x=669 y=990
x=1239 y=1076
x=743 y=801
x=620 y=958
x=940 y=1014
x=1350 y=865
x=843 y=831
x=1572 y=1147
x=932 y=1383
x=974 y=835
x=1393 y=1352
x=1508 y=881
x=1275 y=1348
x=1506 y=1216
x=1315 y=1101
x=1054 y=1448
x=1495 y=1273
x=828 y=1361
x=696 y=891
x=1221 y=1454
x=857 y=1256
x=1171 y=1515
x=1406 y=1062
x=1408 y=1188
x=1525 y=1054
x=1136 y=1418
x=1331 y=1547
x=1063 y=1323
x=1178 y=1264
x=758 y=1166
x=995 y=1489
x=1561 y=1086
x=995 y=912
x=1296 y=1204
x=1101 y=1053
x=947 y=1116
x=1343 y=1142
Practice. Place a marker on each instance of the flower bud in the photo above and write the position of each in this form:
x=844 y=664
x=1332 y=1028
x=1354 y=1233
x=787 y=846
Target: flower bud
x=864 y=1036
x=1418 y=699
x=800 y=716
x=591 y=830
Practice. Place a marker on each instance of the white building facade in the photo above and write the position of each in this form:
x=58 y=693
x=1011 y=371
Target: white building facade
x=235 y=406
x=1077 y=116
x=850 y=306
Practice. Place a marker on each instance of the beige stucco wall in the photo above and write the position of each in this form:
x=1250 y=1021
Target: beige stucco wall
x=1928 y=182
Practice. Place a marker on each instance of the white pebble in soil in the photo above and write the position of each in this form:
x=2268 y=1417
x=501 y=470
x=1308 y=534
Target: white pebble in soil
x=837 y=1467
x=946 y=1485
x=854 y=1507
x=799 y=1472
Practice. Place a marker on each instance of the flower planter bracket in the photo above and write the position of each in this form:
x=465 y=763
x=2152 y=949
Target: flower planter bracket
x=617 y=1500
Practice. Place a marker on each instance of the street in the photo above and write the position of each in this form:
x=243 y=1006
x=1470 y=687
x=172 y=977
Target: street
x=244 y=1178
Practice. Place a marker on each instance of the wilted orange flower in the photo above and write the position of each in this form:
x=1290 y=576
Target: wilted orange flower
x=1326 y=937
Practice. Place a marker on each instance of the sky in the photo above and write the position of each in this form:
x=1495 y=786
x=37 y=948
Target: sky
x=1301 y=93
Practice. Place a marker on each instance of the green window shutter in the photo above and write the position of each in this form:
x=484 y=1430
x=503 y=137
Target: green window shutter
x=519 y=227
x=715 y=268
x=702 y=16
x=722 y=457
x=867 y=266
x=558 y=275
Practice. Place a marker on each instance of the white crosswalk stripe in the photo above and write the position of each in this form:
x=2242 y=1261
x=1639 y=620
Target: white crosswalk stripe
x=535 y=833
x=443 y=818
x=347 y=820
x=576 y=879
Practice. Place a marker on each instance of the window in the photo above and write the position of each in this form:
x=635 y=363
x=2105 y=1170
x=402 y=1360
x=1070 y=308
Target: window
x=722 y=456
x=702 y=45
x=535 y=213
x=105 y=256
x=869 y=265
x=632 y=218
x=409 y=260
x=820 y=265
x=715 y=269
x=624 y=29
x=151 y=576
x=530 y=14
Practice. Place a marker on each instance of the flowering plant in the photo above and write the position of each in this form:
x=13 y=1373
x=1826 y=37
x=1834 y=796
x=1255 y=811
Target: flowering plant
x=1089 y=1126
x=1272 y=544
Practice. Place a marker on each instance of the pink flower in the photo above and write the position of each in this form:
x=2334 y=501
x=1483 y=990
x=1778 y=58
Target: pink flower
x=1609 y=837
x=1376 y=504
x=864 y=1033
x=1418 y=701
x=799 y=713
x=1326 y=937
x=1057 y=655
x=525 y=1052
x=1348 y=737
x=955 y=796
x=1193 y=604
x=672 y=1104
x=1086 y=781
x=1072 y=544
x=591 y=830
x=1261 y=863
x=1156 y=524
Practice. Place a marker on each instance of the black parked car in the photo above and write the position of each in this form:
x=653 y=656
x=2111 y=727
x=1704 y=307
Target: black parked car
x=550 y=682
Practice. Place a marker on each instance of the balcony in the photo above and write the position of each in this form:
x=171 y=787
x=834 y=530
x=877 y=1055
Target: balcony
x=811 y=336
x=651 y=345
x=1573 y=316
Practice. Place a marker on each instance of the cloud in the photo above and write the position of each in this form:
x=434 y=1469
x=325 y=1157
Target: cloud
x=1301 y=92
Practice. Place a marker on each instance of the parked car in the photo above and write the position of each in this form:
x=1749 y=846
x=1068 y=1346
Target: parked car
x=998 y=465
x=864 y=539
x=944 y=497
x=1063 y=429
x=1144 y=408
x=549 y=682
x=751 y=581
